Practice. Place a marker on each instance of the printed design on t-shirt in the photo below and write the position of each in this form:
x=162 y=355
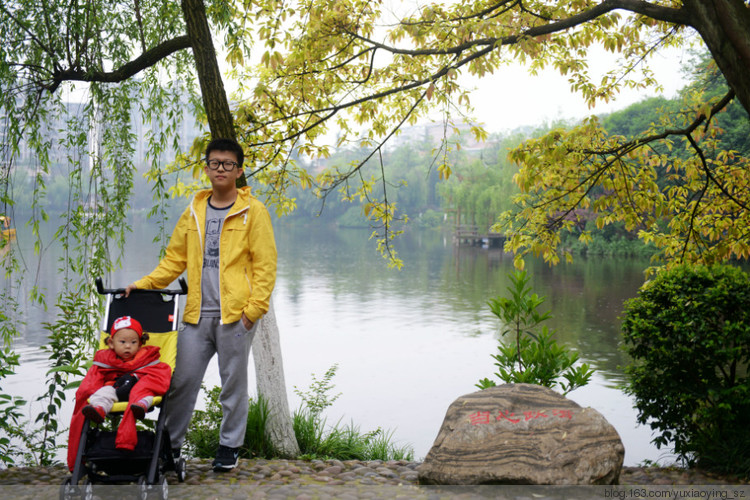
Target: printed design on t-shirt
x=213 y=234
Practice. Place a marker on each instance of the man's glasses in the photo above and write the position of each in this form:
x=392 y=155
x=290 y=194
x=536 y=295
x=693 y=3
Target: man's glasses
x=228 y=165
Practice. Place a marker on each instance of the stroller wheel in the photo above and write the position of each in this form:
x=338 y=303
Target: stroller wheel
x=68 y=491
x=87 y=489
x=163 y=488
x=143 y=488
x=180 y=468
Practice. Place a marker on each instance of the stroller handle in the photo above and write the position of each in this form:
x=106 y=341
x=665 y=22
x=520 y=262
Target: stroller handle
x=102 y=291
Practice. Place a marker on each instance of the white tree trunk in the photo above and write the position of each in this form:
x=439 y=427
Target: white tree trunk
x=269 y=372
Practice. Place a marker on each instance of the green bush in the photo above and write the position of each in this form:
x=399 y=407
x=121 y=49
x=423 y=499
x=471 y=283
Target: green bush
x=611 y=241
x=202 y=437
x=688 y=333
x=11 y=410
x=531 y=357
x=316 y=398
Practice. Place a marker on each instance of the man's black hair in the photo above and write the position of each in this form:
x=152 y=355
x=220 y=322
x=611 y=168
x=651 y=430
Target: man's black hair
x=223 y=144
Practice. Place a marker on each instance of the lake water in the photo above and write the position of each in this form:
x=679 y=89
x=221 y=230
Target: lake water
x=407 y=343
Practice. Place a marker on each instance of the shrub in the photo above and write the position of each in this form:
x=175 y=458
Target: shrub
x=531 y=357
x=688 y=333
x=316 y=398
x=10 y=411
x=202 y=437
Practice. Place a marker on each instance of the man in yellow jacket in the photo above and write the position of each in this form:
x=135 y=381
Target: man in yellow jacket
x=225 y=241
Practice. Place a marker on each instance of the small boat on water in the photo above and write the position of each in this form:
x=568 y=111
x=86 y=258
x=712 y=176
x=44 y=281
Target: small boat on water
x=8 y=232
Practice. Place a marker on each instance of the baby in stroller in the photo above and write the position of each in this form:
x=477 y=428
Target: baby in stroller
x=127 y=370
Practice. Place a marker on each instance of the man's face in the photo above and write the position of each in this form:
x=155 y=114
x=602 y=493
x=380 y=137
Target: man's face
x=222 y=177
x=125 y=343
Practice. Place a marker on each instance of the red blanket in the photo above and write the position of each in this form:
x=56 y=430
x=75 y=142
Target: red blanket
x=153 y=380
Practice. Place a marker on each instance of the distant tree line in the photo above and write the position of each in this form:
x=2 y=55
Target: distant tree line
x=482 y=185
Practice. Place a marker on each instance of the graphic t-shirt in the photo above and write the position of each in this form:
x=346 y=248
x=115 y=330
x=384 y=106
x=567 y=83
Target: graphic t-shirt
x=211 y=302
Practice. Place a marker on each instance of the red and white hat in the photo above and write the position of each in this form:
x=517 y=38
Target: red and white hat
x=126 y=322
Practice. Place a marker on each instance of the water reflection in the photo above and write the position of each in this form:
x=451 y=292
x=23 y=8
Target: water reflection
x=430 y=328
x=407 y=342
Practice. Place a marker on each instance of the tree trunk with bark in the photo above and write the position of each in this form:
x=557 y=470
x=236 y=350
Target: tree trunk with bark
x=724 y=26
x=266 y=346
x=220 y=120
x=269 y=373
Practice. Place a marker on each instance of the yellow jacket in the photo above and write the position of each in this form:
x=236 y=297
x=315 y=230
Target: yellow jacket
x=247 y=253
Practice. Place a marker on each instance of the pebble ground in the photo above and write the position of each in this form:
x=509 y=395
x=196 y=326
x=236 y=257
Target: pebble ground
x=311 y=479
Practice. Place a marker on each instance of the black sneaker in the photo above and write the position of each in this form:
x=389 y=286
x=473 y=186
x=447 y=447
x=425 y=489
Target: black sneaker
x=226 y=458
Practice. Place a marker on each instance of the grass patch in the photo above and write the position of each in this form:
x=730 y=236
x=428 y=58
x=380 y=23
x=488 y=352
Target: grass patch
x=315 y=438
x=347 y=442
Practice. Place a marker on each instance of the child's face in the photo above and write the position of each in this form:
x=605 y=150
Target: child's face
x=125 y=343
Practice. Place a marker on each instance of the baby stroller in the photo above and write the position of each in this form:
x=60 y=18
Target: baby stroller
x=97 y=459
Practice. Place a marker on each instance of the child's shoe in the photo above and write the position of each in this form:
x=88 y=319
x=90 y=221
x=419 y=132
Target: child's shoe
x=139 y=409
x=94 y=413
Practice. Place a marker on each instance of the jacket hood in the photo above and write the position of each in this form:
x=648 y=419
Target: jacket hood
x=244 y=195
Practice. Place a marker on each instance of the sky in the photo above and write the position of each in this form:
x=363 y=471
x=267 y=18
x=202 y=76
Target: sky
x=512 y=98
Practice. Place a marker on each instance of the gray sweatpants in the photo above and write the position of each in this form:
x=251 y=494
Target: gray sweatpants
x=196 y=345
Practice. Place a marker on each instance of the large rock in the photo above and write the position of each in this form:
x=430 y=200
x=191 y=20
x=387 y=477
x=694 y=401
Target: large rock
x=522 y=434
